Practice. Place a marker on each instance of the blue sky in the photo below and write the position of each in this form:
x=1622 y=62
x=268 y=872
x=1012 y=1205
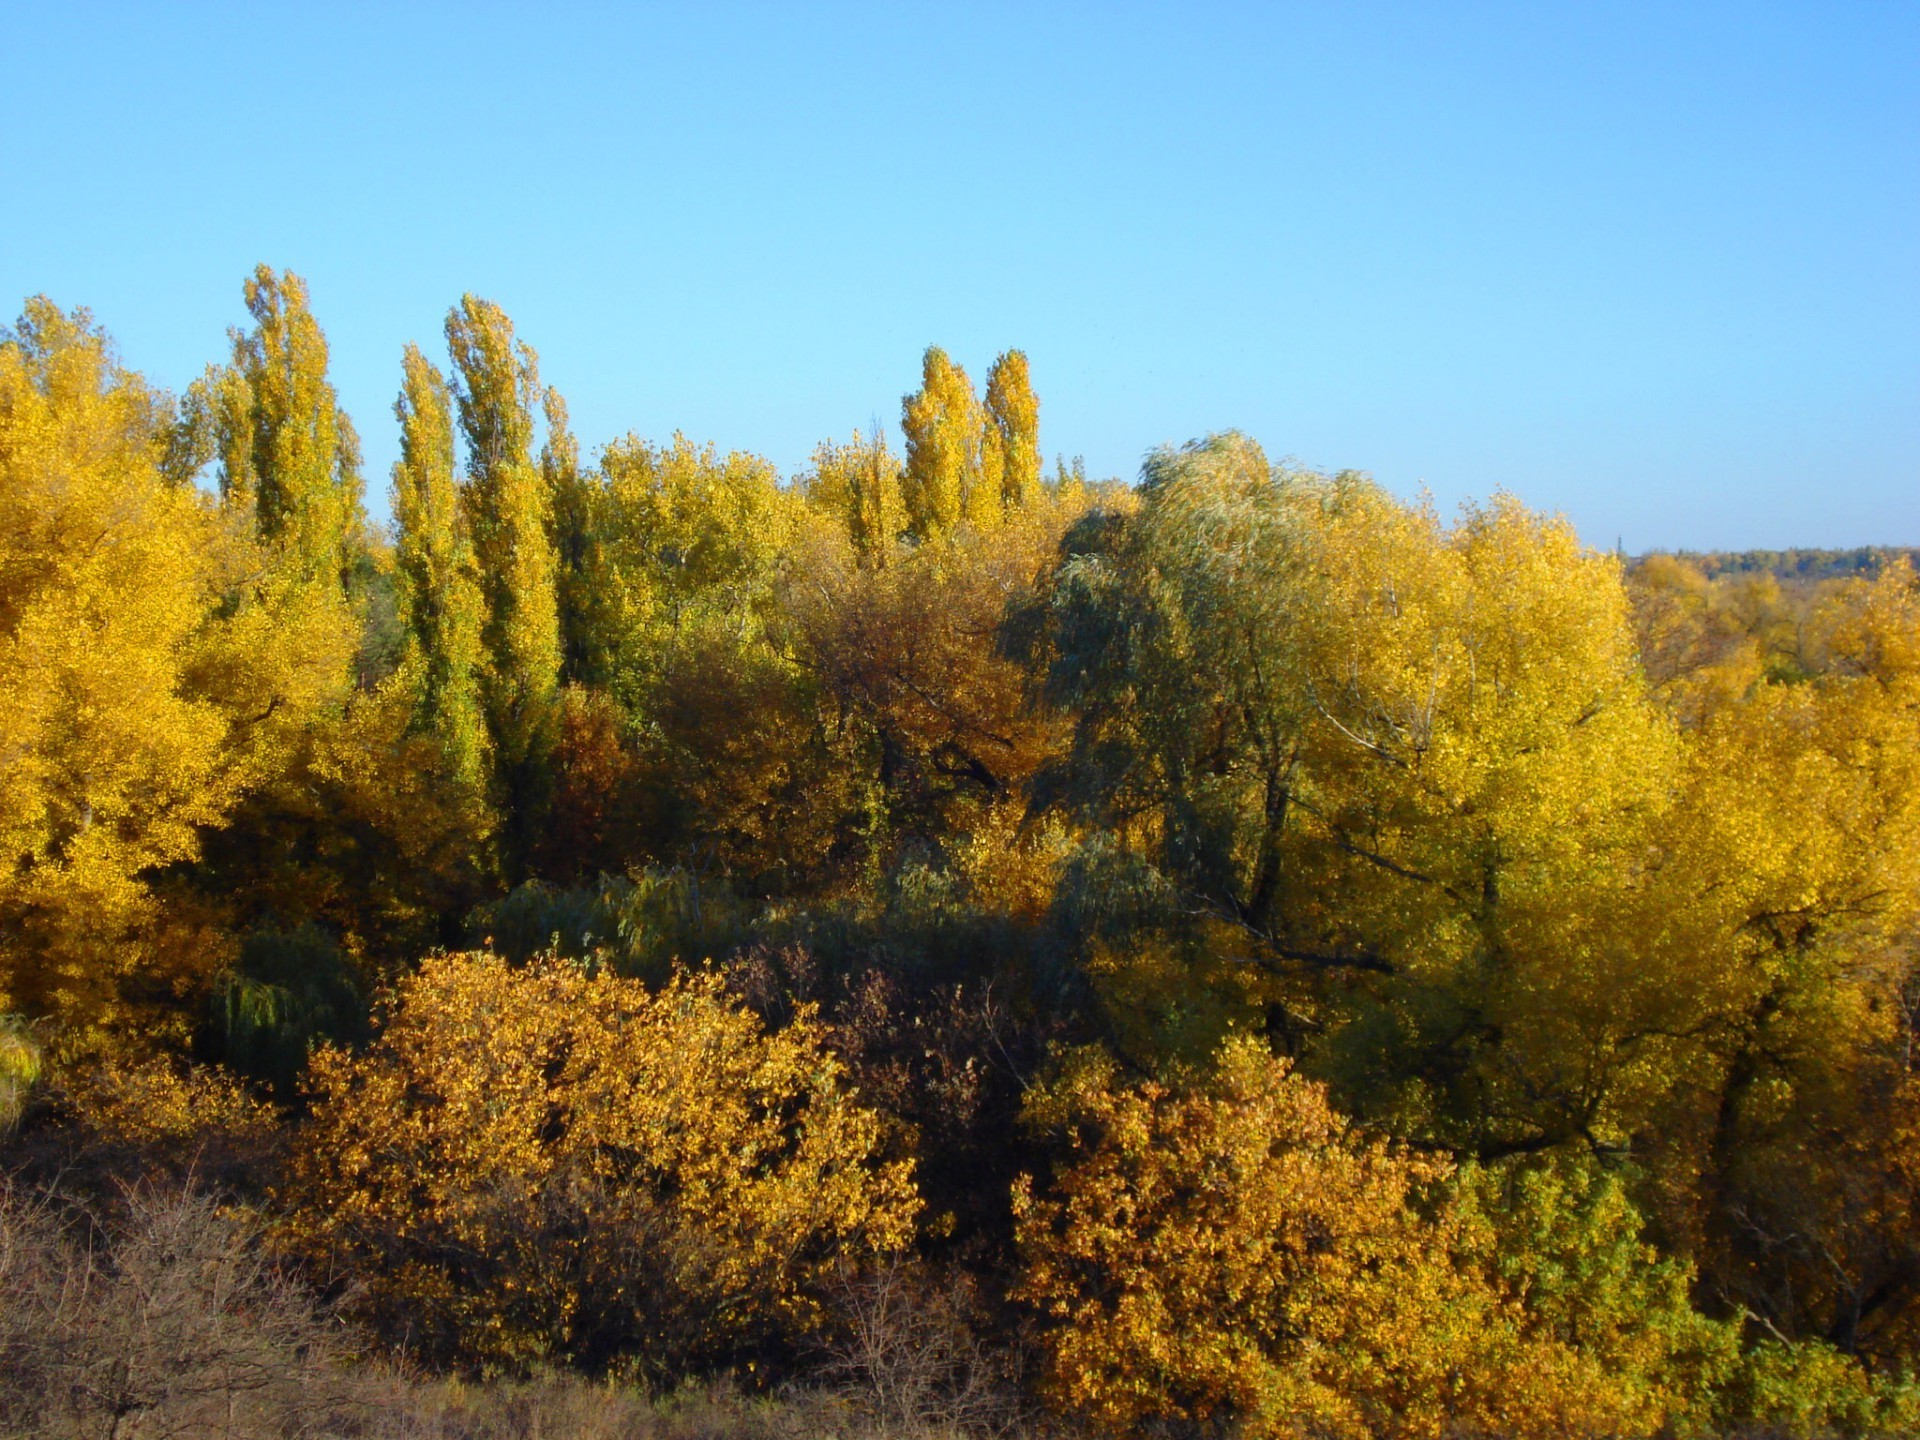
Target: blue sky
x=1656 y=267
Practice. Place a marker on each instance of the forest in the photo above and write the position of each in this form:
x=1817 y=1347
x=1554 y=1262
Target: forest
x=936 y=944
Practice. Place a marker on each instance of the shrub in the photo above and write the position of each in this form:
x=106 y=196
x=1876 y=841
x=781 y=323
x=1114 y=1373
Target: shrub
x=288 y=991
x=22 y=1061
x=165 y=1317
x=547 y=1165
x=1222 y=1250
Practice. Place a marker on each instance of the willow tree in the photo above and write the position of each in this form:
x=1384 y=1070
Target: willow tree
x=439 y=593
x=509 y=516
x=1411 y=773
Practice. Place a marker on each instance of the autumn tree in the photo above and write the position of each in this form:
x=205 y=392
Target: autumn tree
x=439 y=592
x=573 y=495
x=908 y=658
x=859 y=484
x=942 y=425
x=1013 y=430
x=508 y=511
x=287 y=453
x=692 y=544
x=143 y=686
x=1803 y=803
x=1409 y=774
x=555 y=1165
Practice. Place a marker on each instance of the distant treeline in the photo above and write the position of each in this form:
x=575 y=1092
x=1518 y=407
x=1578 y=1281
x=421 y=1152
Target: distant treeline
x=1861 y=562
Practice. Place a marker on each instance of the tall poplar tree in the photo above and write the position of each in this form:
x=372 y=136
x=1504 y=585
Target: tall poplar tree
x=1013 y=429
x=509 y=517
x=941 y=422
x=439 y=593
x=285 y=448
x=570 y=500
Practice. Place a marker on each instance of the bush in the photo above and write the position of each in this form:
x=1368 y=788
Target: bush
x=1561 y=1238
x=639 y=925
x=543 y=1165
x=1810 y=1391
x=1222 y=1250
x=22 y=1061
x=165 y=1317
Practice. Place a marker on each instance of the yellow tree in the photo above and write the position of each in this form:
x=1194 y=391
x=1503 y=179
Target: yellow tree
x=942 y=425
x=1013 y=430
x=287 y=452
x=859 y=484
x=142 y=687
x=552 y=1164
x=690 y=546
x=1803 y=809
x=1411 y=775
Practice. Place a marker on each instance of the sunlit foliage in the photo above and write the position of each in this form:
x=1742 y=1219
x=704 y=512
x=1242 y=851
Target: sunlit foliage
x=1454 y=980
x=554 y=1164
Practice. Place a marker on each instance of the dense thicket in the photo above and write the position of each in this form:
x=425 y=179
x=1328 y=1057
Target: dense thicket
x=1237 y=952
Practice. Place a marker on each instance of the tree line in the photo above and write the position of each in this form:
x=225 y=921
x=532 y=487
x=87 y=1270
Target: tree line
x=1237 y=952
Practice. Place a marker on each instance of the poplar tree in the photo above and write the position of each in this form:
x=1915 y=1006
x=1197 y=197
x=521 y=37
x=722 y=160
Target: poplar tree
x=941 y=422
x=1013 y=429
x=285 y=448
x=570 y=497
x=439 y=594
x=509 y=517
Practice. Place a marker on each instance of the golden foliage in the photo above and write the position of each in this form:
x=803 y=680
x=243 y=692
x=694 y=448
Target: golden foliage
x=145 y=680
x=1225 y=1251
x=555 y=1164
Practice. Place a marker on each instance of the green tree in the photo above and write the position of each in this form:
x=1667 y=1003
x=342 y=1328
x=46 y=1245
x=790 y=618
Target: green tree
x=433 y=562
x=571 y=493
x=508 y=512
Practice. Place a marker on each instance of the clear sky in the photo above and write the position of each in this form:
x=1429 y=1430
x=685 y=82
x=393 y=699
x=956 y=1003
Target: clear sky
x=1656 y=267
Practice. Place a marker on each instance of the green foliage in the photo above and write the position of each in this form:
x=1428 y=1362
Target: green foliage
x=22 y=1063
x=1811 y=1391
x=288 y=455
x=639 y=926
x=438 y=590
x=509 y=519
x=1564 y=1240
x=288 y=991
